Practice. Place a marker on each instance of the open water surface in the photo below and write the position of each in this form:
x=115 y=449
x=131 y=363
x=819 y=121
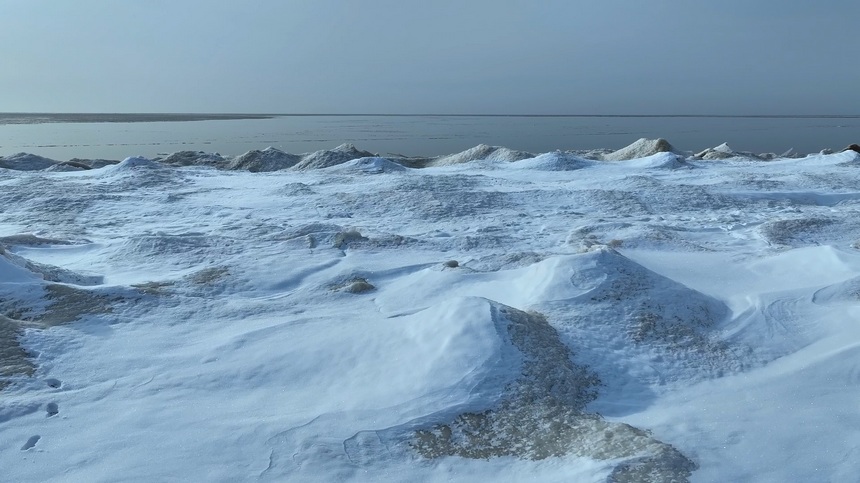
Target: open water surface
x=69 y=136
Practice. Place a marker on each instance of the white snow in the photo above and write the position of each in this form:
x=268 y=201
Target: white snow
x=640 y=149
x=491 y=315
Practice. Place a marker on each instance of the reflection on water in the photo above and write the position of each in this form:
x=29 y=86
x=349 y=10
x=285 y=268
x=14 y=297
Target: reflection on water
x=67 y=137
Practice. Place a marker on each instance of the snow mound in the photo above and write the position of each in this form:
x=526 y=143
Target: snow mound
x=372 y=165
x=663 y=160
x=647 y=308
x=481 y=152
x=14 y=270
x=134 y=163
x=556 y=161
x=269 y=159
x=640 y=149
x=193 y=158
x=327 y=158
x=600 y=298
x=540 y=414
x=67 y=166
x=41 y=271
x=661 y=333
x=723 y=151
x=849 y=158
x=26 y=162
x=843 y=292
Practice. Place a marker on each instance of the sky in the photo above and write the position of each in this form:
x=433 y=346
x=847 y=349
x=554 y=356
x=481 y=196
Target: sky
x=431 y=56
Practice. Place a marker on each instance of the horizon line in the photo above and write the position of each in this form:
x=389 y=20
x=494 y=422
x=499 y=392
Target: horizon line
x=362 y=114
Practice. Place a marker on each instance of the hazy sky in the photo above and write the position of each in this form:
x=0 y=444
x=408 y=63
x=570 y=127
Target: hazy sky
x=431 y=56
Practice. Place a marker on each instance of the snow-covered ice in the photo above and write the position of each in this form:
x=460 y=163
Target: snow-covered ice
x=492 y=315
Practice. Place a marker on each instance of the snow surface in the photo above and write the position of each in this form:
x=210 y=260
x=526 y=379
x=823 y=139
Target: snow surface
x=486 y=316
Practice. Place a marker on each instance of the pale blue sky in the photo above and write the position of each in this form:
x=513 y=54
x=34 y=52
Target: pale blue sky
x=431 y=56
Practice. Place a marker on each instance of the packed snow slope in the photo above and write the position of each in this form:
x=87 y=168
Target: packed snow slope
x=492 y=315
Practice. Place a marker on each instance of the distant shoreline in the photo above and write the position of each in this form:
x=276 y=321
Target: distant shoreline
x=48 y=117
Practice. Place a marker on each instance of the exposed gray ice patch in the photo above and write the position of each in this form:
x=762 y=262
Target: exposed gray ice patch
x=796 y=232
x=14 y=360
x=29 y=239
x=194 y=158
x=31 y=442
x=353 y=285
x=52 y=409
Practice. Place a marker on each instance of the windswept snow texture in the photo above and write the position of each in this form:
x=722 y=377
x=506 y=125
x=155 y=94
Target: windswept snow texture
x=492 y=315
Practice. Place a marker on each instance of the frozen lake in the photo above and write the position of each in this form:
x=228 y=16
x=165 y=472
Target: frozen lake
x=414 y=135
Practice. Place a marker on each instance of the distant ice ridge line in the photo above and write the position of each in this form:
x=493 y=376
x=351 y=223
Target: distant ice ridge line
x=273 y=159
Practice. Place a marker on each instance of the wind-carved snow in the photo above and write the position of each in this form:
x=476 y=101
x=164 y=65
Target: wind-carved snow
x=628 y=315
x=36 y=296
